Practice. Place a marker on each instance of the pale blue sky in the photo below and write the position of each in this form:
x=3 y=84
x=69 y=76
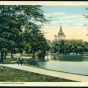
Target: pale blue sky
x=66 y=9
x=71 y=18
x=65 y=14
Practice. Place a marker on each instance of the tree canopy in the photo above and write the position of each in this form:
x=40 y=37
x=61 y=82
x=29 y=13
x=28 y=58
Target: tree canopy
x=69 y=46
x=12 y=19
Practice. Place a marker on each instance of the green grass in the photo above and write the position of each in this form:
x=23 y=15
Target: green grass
x=15 y=75
x=8 y=60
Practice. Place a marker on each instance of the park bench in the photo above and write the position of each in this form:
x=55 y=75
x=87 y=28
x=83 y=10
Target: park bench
x=13 y=62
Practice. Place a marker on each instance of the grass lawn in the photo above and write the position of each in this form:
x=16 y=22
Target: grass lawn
x=8 y=60
x=15 y=75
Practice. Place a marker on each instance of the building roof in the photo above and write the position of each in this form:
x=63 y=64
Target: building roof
x=60 y=33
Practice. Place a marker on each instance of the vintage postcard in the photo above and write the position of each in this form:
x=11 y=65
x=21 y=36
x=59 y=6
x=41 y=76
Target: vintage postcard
x=43 y=43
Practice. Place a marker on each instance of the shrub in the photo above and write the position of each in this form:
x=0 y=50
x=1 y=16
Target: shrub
x=31 y=61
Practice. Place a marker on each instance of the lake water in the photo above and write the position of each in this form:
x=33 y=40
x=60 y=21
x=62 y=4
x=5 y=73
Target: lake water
x=76 y=66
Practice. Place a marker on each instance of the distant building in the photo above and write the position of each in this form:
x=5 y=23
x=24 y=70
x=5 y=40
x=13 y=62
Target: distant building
x=60 y=36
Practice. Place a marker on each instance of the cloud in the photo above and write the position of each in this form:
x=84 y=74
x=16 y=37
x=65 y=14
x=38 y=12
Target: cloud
x=54 y=14
x=72 y=25
x=68 y=16
x=68 y=19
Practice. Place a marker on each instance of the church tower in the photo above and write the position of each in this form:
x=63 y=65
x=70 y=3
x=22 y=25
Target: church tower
x=61 y=35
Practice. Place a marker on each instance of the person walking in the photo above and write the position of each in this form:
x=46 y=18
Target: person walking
x=21 y=60
x=18 y=60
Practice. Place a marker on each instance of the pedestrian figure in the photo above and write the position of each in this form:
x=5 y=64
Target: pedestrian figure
x=18 y=60
x=21 y=60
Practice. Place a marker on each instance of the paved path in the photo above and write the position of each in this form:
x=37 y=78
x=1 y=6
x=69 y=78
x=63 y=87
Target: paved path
x=48 y=72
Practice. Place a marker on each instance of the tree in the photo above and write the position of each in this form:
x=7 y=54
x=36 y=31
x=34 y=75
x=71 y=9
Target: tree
x=10 y=27
x=38 y=43
x=54 y=45
x=12 y=18
x=69 y=46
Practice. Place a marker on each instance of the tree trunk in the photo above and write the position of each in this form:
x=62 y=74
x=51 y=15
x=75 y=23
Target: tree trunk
x=1 y=56
x=11 y=55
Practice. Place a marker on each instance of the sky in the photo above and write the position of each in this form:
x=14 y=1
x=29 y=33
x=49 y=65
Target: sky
x=67 y=13
x=71 y=19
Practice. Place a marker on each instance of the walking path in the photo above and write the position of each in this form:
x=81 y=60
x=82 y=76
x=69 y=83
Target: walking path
x=48 y=72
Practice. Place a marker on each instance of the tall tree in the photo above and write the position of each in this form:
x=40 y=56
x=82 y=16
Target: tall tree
x=12 y=18
x=36 y=40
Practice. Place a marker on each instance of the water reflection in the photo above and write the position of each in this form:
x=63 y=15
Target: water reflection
x=66 y=63
x=66 y=57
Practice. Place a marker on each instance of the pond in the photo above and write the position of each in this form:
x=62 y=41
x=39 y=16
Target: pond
x=76 y=64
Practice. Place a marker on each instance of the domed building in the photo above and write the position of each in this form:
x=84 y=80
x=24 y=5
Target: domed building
x=60 y=36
